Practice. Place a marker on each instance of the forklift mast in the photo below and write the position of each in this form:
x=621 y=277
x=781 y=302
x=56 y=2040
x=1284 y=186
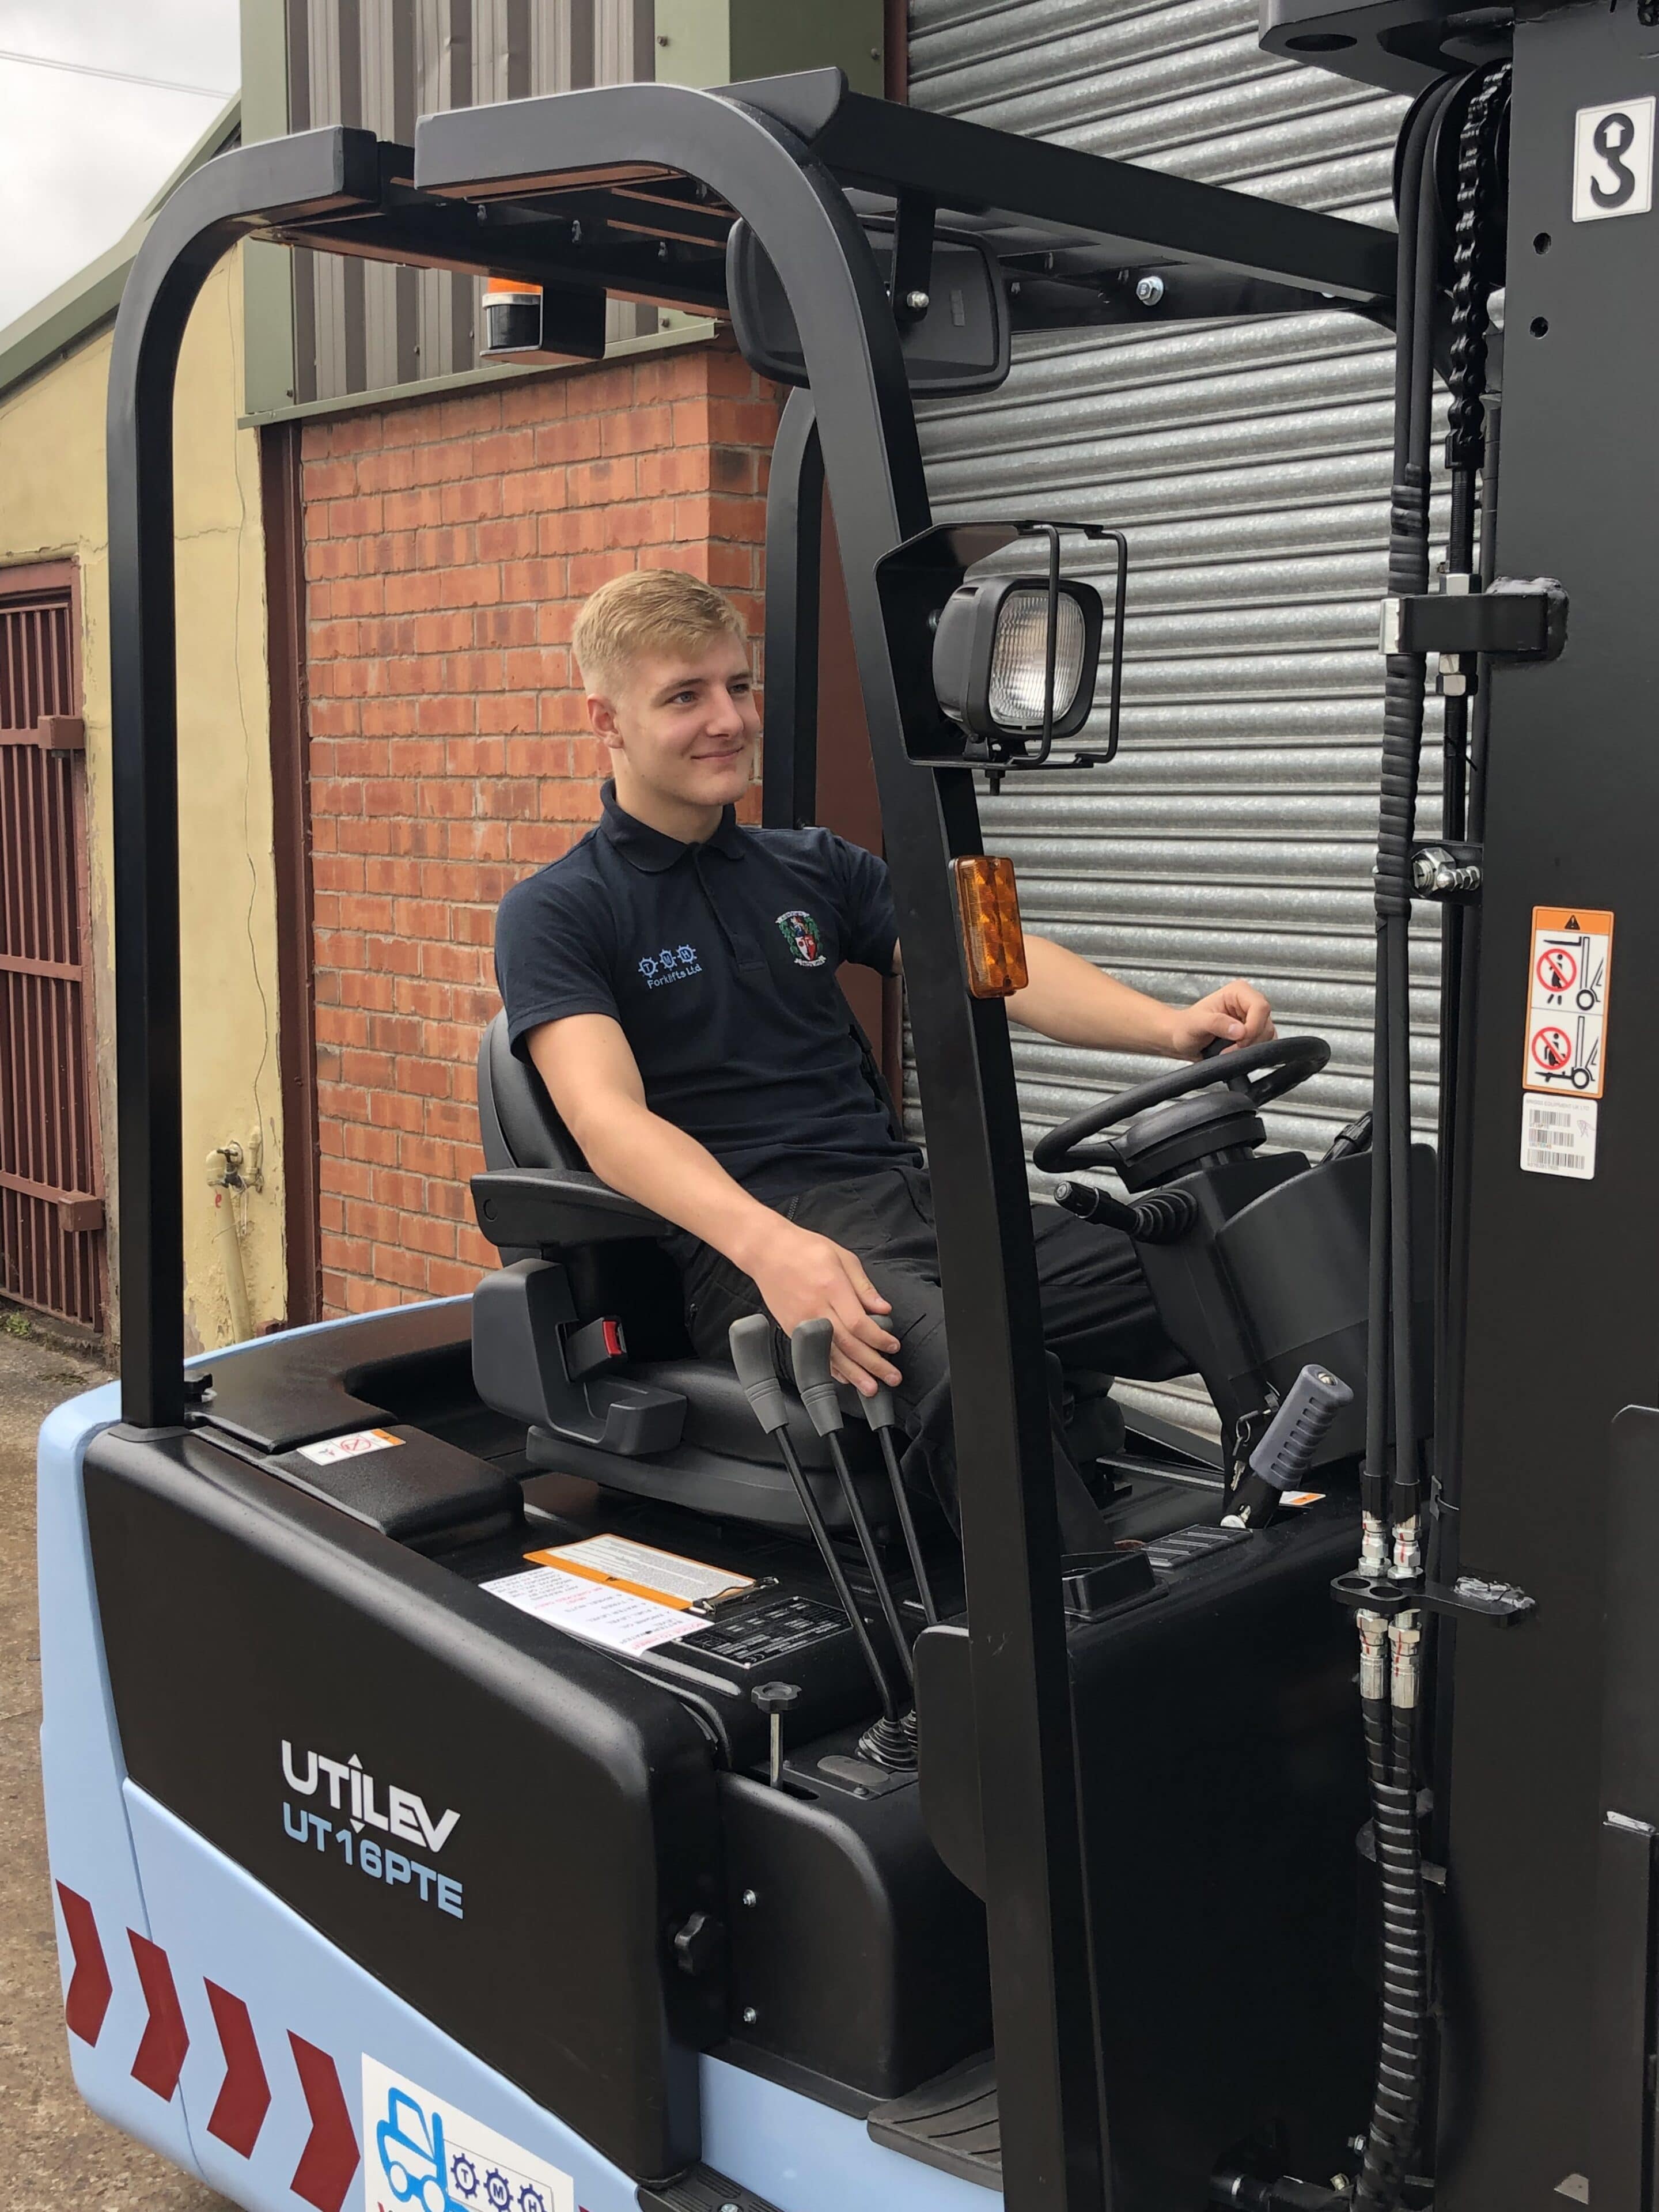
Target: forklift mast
x=1547 y=1787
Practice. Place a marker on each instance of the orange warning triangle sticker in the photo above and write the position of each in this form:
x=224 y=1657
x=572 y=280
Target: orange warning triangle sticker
x=1571 y=921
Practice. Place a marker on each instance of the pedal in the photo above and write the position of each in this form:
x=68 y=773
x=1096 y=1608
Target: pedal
x=700 y=2189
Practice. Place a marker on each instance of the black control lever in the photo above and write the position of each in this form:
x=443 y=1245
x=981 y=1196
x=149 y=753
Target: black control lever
x=750 y=1340
x=808 y=1354
x=1158 y=1216
x=879 y=1412
x=1286 y=1450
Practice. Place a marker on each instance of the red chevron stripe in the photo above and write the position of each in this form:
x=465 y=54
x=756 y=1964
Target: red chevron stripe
x=166 y=2038
x=245 y=2095
x=89 y=1991
x=331 y=2156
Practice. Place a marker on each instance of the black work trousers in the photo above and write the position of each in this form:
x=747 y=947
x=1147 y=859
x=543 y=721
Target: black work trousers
x=1097 y=1314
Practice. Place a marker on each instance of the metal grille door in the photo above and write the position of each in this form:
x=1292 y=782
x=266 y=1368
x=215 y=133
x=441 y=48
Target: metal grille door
x=52 y=1213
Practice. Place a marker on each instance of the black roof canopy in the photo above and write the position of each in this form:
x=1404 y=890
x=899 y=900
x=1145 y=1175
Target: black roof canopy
x=477 y=191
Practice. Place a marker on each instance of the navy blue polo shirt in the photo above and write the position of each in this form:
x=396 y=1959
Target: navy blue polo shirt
x=718 y=960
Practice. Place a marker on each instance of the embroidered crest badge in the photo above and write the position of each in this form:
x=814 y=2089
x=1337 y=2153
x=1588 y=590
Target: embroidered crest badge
x=801 y=934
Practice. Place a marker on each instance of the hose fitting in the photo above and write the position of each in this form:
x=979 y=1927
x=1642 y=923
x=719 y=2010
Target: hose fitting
x=1407 y=1564
x=1406 y=1640
x=1373 y=1657
x=1373 y=1546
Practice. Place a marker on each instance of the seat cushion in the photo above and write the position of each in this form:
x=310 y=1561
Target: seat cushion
x=719 y=1417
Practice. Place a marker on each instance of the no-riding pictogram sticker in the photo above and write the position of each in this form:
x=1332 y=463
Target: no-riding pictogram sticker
x=1571 y=954
x=1557 y=969
x=1552 y=1048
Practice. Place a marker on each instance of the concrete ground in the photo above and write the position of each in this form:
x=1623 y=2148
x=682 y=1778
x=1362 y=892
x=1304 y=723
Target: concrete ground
x=56 y=2152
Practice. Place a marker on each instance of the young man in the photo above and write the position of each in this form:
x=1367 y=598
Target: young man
x=673 y=980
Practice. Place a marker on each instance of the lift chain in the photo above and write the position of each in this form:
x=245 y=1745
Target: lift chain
x=1477 y=244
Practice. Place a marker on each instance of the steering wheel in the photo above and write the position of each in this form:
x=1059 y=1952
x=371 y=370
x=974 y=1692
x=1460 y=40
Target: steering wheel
x=1257 y=1072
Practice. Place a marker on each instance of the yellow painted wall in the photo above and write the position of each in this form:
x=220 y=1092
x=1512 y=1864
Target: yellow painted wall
x=52 y=505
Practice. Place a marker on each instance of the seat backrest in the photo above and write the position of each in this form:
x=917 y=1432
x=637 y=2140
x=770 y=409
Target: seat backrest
x=518 y=1122
x=520 y=1127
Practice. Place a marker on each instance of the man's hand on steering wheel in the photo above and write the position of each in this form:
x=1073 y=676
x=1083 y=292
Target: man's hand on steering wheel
x=1237 y=1013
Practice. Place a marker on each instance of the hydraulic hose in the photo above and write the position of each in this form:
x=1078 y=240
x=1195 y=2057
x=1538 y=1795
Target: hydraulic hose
x=1390 y=1480
x=1389 y=1758
x=1473 y=440
x=1402 y=746
x=1402 y=729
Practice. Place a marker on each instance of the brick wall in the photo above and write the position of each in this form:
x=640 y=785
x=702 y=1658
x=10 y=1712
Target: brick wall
x=449 y=544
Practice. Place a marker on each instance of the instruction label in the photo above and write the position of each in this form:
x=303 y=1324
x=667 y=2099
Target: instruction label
x=643 y=1570
x=1567 y=1001
x=594 y=1611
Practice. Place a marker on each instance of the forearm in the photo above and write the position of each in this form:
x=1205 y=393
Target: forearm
x=1072 y=1001
x=649 y=1160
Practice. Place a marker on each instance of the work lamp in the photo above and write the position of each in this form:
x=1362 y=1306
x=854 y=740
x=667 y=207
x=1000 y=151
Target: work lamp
x=993 y=670
x=995 y=647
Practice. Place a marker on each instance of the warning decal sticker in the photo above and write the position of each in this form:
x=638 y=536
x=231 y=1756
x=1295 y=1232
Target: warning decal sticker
x=1567 y=1001
x=352 y=1447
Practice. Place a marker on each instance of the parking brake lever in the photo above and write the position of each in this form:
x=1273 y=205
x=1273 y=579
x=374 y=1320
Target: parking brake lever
x=750 y=1340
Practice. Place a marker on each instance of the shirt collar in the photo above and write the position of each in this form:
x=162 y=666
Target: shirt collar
x=652 y=850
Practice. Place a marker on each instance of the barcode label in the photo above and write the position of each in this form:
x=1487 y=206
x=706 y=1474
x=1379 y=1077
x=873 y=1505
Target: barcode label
x=1558 y=1138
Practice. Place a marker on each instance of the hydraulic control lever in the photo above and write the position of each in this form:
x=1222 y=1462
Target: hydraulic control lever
x=750 y=1340
x=808 y=1354
x=880 y=1413
x=1286 y=1450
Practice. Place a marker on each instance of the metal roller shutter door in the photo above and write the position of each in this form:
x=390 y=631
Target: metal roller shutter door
x=1248 y=463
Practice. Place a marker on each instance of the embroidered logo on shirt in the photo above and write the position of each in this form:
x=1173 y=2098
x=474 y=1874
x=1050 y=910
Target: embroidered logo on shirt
x=803 y=937
x=675 y=963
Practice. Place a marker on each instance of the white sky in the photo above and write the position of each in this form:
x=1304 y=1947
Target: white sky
x=80 y=155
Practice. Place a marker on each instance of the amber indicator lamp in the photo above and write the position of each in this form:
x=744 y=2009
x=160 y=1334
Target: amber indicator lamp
x=993 y=942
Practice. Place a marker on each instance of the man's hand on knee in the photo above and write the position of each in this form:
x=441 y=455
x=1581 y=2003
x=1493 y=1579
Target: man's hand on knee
x=805 y=1276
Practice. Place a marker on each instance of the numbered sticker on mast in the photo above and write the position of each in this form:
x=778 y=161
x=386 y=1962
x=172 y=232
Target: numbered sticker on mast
x=1613 y=160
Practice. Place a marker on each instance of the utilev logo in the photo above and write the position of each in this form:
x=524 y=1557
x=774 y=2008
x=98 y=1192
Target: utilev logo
x=351 y=1791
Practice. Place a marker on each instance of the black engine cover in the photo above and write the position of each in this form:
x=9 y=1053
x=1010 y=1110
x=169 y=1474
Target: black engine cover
x=257 y=1639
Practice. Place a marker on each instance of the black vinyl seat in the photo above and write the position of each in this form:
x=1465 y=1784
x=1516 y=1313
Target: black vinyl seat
x=652 y=1420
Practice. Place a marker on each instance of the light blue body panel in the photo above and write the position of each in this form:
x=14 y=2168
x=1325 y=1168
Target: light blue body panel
x=217 y=1924
x=140 y=1869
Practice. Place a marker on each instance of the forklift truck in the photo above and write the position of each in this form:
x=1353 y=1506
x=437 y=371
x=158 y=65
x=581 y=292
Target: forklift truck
x=477 y=1757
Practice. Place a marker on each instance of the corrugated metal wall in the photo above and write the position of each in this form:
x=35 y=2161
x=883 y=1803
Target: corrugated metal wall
x=1248 y=463
x=365 y=326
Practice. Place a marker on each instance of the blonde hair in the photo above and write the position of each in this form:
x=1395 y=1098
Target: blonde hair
x=648 y=611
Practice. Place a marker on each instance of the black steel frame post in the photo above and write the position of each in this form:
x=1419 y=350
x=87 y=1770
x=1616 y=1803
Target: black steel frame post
x=794 y=549
x=1052 y=2116
x=1580 y=478
x=281 y=179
